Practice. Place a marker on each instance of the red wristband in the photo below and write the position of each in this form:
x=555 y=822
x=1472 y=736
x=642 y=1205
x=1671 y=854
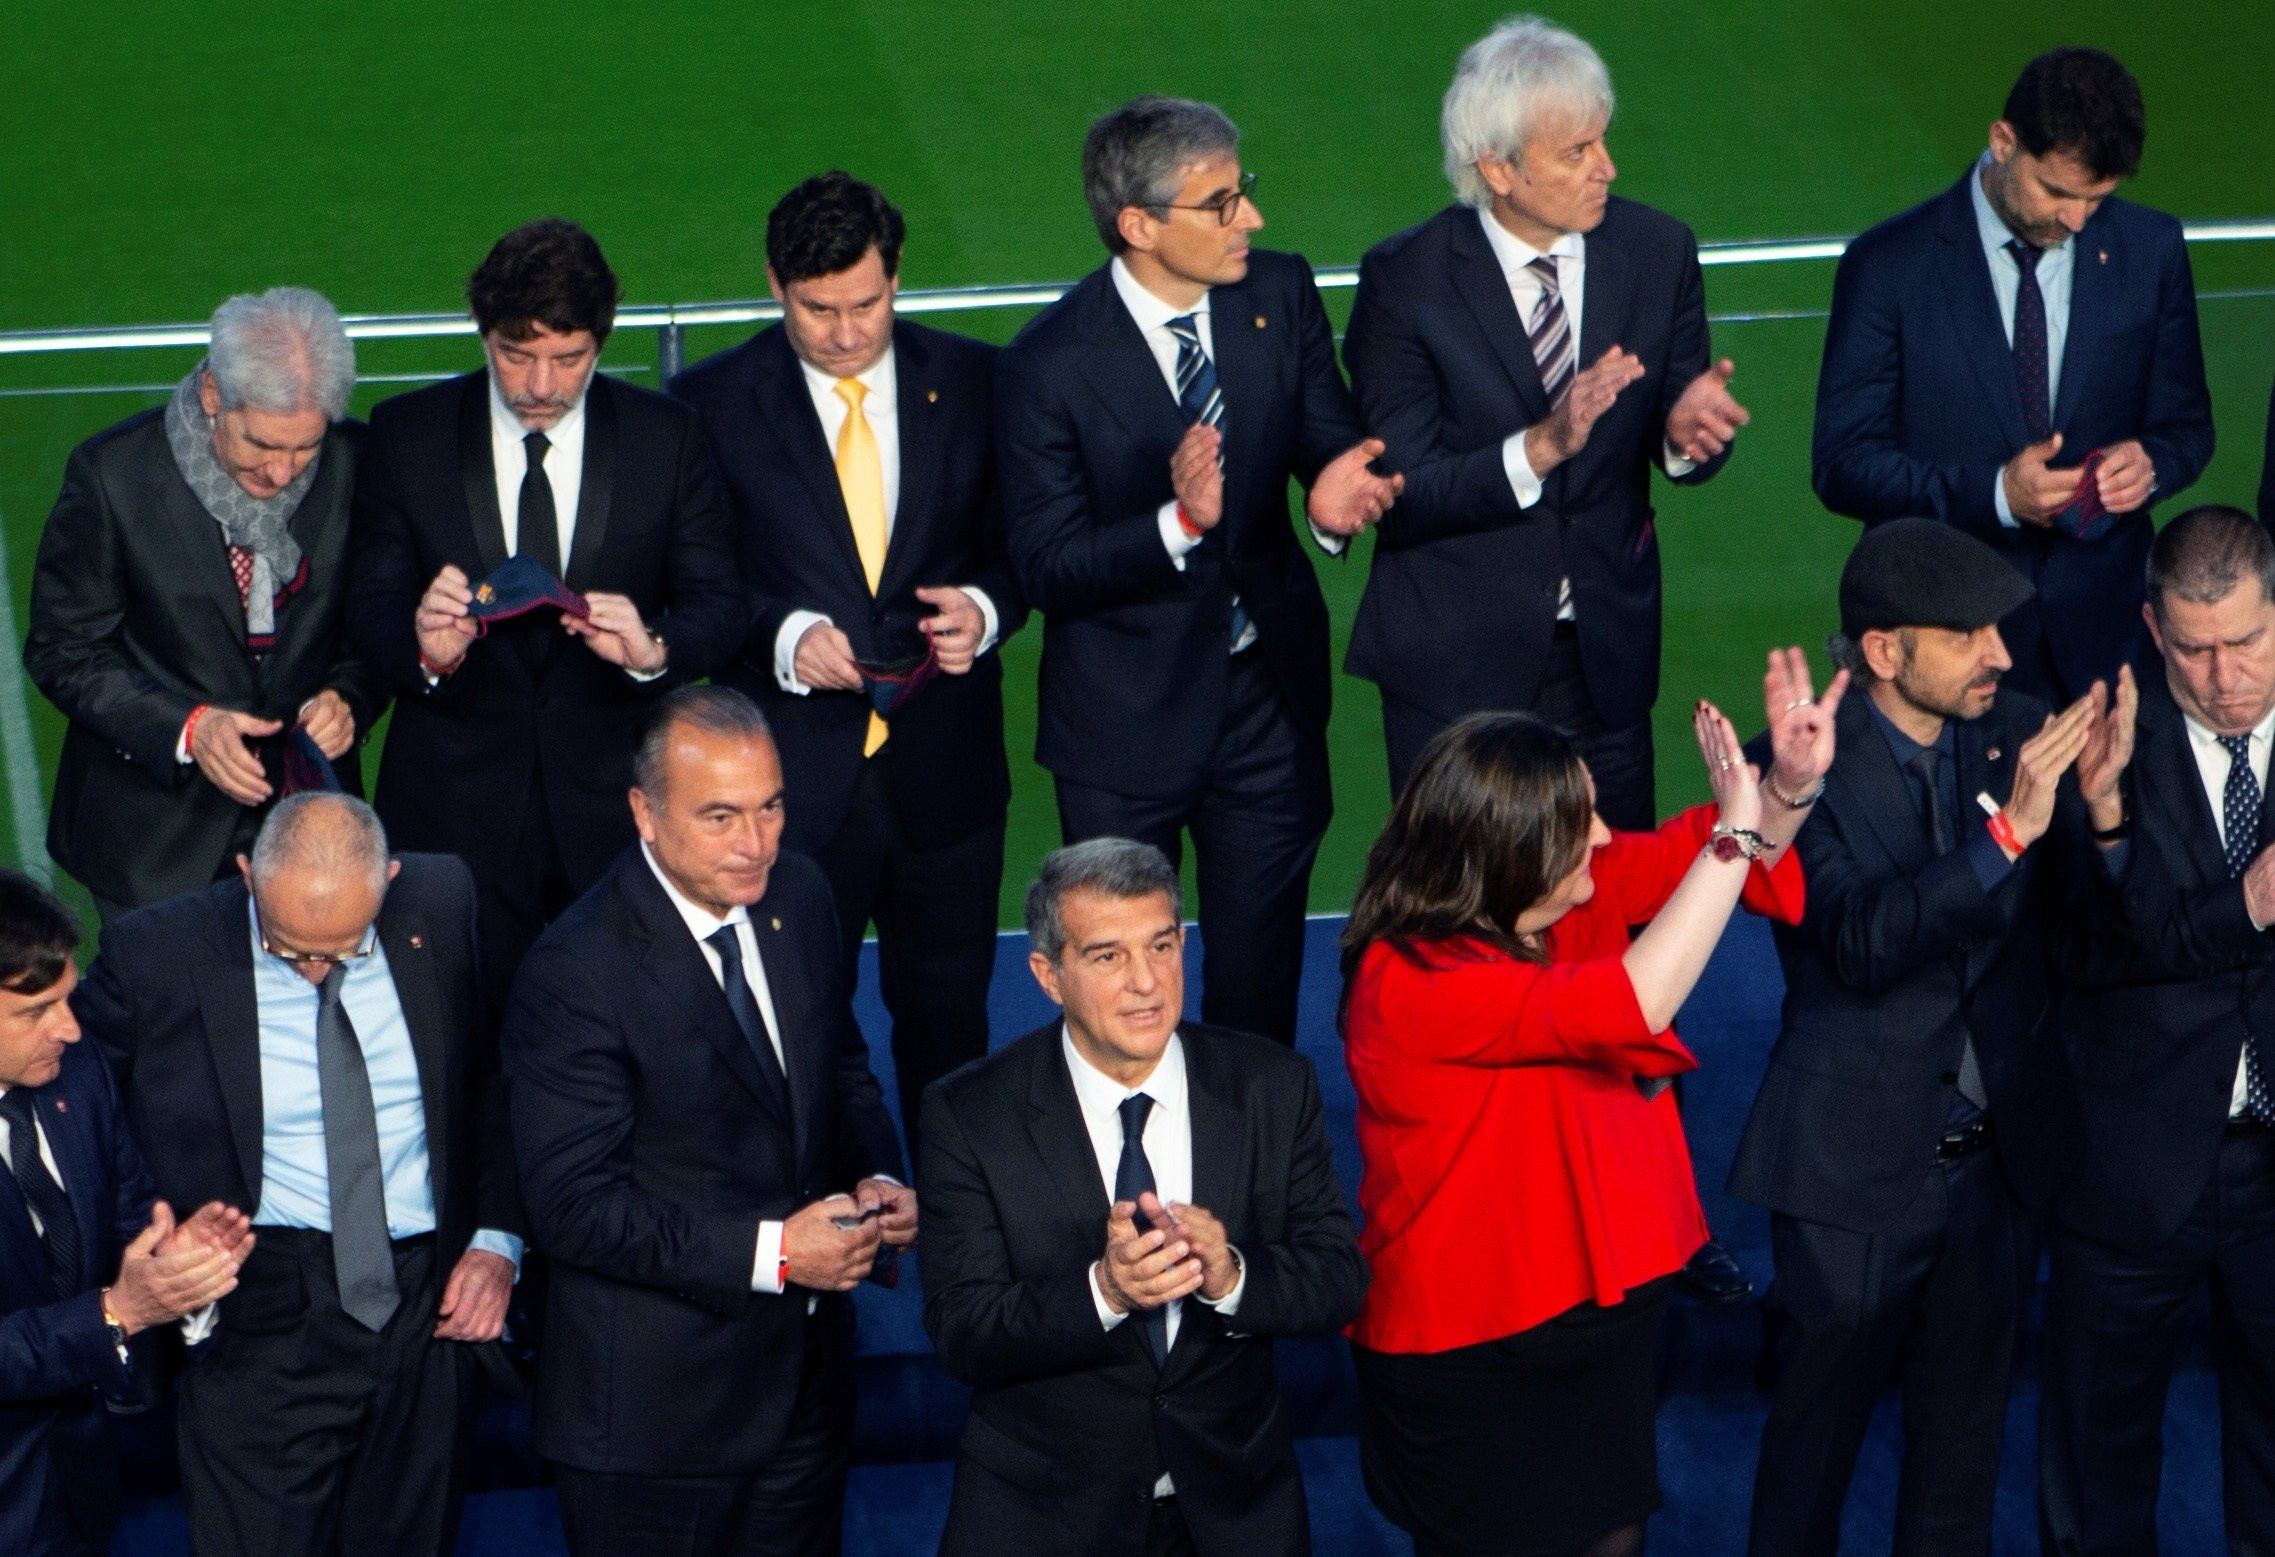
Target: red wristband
x=1186 y=524
x=189 y=726
x=2002 y=834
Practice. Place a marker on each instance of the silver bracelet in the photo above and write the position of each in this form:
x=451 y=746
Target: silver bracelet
x=1792 y=802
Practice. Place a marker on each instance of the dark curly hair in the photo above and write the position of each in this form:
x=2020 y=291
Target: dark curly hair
x=826 y=224
x=2083 y=102
x=548 y=272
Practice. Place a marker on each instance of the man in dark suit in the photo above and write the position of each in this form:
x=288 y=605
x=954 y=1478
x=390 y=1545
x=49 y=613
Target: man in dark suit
x=858 y=454
x=307 y=1042
x=1123 y=1211
x=707 y=1161
x=514 y=753
x=76 y=1204
x=187 y=609
x=1529 y=355
x=1985 y=345
x=1916 y=1117
x=1148 y=424
x=2169 y=998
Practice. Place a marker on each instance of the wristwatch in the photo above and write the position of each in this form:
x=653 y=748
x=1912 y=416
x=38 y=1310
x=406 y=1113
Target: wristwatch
x=1736 y=843
x=112 y=1323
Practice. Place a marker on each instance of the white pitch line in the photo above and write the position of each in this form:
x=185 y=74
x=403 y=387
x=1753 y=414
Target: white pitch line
x=19 y=757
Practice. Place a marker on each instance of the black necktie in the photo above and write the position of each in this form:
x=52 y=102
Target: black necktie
x=59 y=1228
x=538 y=536
x=2030 y=355
x=2239 y=833
x=1133 y=1176
x=1926 y=764
x=363 y=1260
x=744 y=1004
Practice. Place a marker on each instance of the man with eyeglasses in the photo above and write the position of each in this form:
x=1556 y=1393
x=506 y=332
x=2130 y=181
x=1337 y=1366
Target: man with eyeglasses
x=1148 y=425
x=307 y=1042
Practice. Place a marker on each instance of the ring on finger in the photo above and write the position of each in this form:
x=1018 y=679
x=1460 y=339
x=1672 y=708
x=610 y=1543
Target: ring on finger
x=1799 y=702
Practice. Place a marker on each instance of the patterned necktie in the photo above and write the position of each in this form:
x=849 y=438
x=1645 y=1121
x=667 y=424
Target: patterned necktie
x=1552 y=346
x=2030 y=371
x=1203 y=404
x=861 y=478
x=2239 y=835
x=1133 y=1176
x=363 y=1261
x=59 y=1227
x=744 y=1005
x=537 y=533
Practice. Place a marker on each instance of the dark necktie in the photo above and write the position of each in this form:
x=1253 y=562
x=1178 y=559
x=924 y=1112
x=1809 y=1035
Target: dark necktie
x=744 y=1004
x=1551 y=331
x=538 y=536
x=1203 y=404
x=1133 y=1176
x=2239 y=833
x=59 y=1228
x=2030 y=371
x=1927 y=765
x=363 y=1260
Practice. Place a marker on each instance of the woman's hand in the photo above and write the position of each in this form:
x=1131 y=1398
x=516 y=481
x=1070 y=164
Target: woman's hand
x=1736 y=782
x=1800 y=722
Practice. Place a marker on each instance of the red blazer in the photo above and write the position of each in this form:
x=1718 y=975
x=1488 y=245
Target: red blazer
x=1513 y=1167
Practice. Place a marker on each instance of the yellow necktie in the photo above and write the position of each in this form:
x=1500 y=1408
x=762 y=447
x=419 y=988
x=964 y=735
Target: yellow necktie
x=861 y=478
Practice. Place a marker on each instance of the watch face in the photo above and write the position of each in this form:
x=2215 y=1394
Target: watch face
x=1726 y=847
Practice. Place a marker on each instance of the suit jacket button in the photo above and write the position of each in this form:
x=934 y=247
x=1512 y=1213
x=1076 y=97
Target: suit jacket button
x=1161 y=1402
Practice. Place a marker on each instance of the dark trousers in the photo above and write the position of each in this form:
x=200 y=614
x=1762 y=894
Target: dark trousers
x=302 y=1434
x=1257 y=817
x=792 y=1506
x=1166 y=1534
x=2113 y=1320
x=1619 y=757
x=513 y=905
x=1937 y=1294
x=935 y=912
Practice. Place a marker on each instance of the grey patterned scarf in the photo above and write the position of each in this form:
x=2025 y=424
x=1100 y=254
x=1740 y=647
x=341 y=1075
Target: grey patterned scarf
x=255 y=523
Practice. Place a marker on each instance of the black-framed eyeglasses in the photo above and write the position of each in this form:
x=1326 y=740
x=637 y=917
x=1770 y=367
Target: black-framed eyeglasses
x=311 y=959
x=1225 y=206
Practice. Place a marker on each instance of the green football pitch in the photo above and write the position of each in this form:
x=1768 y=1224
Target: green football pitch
x=157 y=160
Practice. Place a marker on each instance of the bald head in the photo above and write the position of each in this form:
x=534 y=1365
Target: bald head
x=318 y=873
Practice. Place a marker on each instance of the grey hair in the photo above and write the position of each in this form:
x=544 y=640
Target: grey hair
x=2203 y=554
x=1137 y=155
x=282 y=350
x=1847 y=654
x=715 y=710
x=323 y=831
x=1504 y=83
x=1112 y=867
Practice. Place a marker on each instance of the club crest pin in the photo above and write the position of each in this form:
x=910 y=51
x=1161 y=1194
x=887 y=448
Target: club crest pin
x=418 y=942
x=1259 y=321
x=931 y=396
x=775 y=922
x=1992 y=755
x=2103 y=257
x=63 y=1105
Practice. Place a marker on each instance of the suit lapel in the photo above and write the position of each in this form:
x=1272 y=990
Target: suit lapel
x=675 y=966
x=1220 y=1159
x=2165 y=761
x=786 y=411
x=1966 y=287
x=922 y=417
x=231 y=1014
x=1122 y=369
x=1054 y=1125
x=1478 y=280
x=479 y=471
x=84 y=1181
x=401 y=934
x=1607 y=296
x=597 y=484
x=22 y=1239
x=805 y=1054
x=1866 y=768
x=204 y=552
x=2097 y=264
x=1244 y=378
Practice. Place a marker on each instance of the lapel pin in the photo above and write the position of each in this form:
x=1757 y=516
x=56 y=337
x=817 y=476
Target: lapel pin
x=775 y=922
x=1992 y=755
x=2104 y=256
x=63 y=1105
x=1259 y=321
x=418 y=942
x=931 y=395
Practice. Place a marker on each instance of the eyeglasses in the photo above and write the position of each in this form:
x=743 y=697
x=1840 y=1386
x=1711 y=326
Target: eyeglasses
x=1225 y=206
x=311 y=959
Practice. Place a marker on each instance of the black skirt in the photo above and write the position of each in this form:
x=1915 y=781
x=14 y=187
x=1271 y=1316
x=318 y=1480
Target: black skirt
x=1535 y=1445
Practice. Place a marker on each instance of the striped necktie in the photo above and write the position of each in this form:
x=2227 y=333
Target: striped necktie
x=1203 y=404
x=1552 y=348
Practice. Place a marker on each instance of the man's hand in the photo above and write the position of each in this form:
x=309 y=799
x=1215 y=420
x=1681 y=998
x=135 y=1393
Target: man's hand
x=441 y=621
x=1145 y=1270
x=328 y=722
x=1564 y=433
x=215 y=1226
x=2044 y=758
x=1800 y=722
x=1195 y=478
x=2126 y=477
x=2259 y=888
x=615 y=632
x=1348 y=497
x=825 y=1257
x=1706 y=417
x=474 y=1300
x=2108 y=748
x=955 y=627
x=155 y=1289
x=824 y=660
x=2033 y=493
x=1220 y=1269
x=218 y=748
x=896 y=1208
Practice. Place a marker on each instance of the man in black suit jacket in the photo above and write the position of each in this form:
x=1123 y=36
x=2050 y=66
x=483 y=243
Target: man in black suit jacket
x=871 y=535
x=1123 y=1211
x=2169 y=998
x=187 y=606
x=307 y=1042
x=75 y=1204
x=1916 y=1117
x=692 y=1105
x=1148 y=424
x=1957 y=387
x=1529 y=355
x=514 y=753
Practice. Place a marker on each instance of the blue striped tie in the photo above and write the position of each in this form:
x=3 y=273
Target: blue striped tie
x=1203 y=404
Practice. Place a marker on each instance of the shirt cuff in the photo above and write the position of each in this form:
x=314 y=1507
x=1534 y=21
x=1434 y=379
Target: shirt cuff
x=1327 y=540
x=645 y=675
x=1522 y=481
x=1999 y=502
x=766 y=1268
x=786 y=649
x=504 y=1245
x=1229 y=1304
x=2116 y=858
x=1106 y=1315
x=1674 y=462
x=199 y=1327
x=1175 y=536
x=1988 y=859
x=990 y=626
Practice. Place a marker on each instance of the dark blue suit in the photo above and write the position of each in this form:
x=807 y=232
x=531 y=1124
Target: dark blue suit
x=1917 y=409
x=58 y=1471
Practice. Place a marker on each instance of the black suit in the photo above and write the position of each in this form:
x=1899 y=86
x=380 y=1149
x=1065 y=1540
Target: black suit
x=911 y=838
x=296 y=1429
x=650 y=1151
x=1071 y=1423
x=1147 y=721
x=1889 y=1242
x=2165 y=980
x=519 y=760
x=1460 y=608
x=136 y=620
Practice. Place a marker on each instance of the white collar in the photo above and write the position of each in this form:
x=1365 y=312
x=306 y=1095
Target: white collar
x=570 y=427
x=1097 y=1093
x=700 y=921
x=1150 y=312
x=879 y=379
x=2203 y=735
x=1514 y=254
x=1994 y=233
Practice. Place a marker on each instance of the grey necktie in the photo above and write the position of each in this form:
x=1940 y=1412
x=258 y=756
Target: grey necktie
x=362 y=1258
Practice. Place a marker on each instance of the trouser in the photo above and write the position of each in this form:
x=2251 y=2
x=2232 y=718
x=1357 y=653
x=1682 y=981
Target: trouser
x=515 y=902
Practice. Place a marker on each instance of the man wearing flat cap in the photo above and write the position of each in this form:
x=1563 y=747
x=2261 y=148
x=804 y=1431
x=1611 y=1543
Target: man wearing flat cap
x=1916 y=1114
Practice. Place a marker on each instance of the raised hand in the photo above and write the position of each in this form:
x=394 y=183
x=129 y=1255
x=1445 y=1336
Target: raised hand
x=442 y=622
x=1564 y=432
x=2108 y=749
x=1705 y=416
x=1800 y=722
x=825 y=1257
x=1736 y=782
x=1348 y=497
x=1195 y=477
x=616 y=633
x=2044 y=758
x=1148 y=1269
x=218 y=748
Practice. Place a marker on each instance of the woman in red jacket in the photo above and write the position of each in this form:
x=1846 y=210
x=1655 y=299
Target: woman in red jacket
x=1527 y=1193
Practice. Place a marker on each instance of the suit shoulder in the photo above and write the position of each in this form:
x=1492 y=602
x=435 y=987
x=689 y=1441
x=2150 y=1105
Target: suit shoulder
x=796 y=885
x=1645 y=226
x=961 y=353
x=714 y=374
x=2020 y=714
x=126 y=441
x=433 y=876
x=2143 y=222
x=641 y=407
x=1897 y=236
x=418 y=411
x=1419 y=246
x=1279 y=270
x=1006 y=1071
x=153 y=940
x=1057 y=330
x=1257 y=1061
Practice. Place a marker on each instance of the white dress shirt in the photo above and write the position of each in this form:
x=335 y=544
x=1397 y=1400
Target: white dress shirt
x=2212 y=764
x=46 y=1156
x=564 y=466
x=881 y=406
x=2055 y=268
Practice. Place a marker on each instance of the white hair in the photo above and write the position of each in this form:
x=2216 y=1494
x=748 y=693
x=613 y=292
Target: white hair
x=1505 y=82
x=283 y=350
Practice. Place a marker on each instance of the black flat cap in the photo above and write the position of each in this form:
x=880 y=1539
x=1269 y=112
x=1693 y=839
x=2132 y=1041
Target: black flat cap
x=1924 y=573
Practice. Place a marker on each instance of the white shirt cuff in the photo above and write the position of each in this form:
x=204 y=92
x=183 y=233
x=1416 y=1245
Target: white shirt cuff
x=1522 y=481
x=1327 y=540
x=990 y=625
x=766 y=1269
x=786 y=649
x=1174 y=535
x=182 y=741
x=645 y=675
x=200 y=1326
x=1674 y=462
x=1229 y=1304
x=504 y=1245
x=1106 y=1315
x=1999 y=502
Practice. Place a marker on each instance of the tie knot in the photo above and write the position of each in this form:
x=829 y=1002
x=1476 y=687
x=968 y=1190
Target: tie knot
x=328 y=990
x=2238 y=746
x=852 y=391
x=1134 y=1108
x=16 y=1105
x=1187 y=329
x=2025 y=254
x=724 y=942
x=1925 y=761
x=1543 y=267
x=537 y=443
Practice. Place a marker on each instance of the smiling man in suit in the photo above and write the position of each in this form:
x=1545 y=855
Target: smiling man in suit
x=1986 y=344
x=511 y=745
x=707 y=1161
x=1123 y=1211
x=858 y=456
x=1148 y=424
